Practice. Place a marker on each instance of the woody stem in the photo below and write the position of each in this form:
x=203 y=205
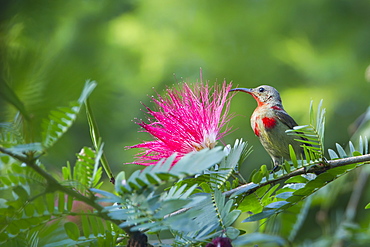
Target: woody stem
x=365 y=159
x=330 y=164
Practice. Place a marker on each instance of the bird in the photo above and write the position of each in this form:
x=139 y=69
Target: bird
x=270 y=122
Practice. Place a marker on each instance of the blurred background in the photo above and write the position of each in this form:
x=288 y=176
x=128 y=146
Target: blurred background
x=308 y=50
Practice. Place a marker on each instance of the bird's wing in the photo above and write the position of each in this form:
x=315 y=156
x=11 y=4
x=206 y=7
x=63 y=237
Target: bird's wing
x=286 y=119
x=289 y=121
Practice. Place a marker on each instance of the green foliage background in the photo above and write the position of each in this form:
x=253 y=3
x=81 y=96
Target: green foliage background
x=306 y=49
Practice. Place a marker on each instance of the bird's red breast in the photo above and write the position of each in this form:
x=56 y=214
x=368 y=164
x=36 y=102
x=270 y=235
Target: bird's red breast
x=269 y=122
x=263 y=115
x=256 y=129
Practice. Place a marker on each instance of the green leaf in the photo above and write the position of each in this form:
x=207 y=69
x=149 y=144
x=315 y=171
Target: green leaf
x=351 y=147
x=245 y=153
x=9 y=95
x=69 y=203
x=259 y=238
x=267 y=199
x=260 y=216
x=66 y=171
x=86 y=173
x=50 y=201
x=367 y=206
x=180 y=192
x=312 y=135
x=40 y=205
x=251 y=203
x=152 y=179
x=232 y=232
x=356 y=153
x=366 y=146
x=97 y=139
x=60 y=121
x=296 y=219
x=361 y=145
x=96 y=172
x=21 y=192
x=94 y=226
x=109 y=196
x=24 y=148
x=286 y=166
x=210 y=214
x=257 y=177
x=333 y=155
x=231 y=217
x=72 y=230
x=120 y=180
x=293 y=156
x=189 y=165
x=29 y=210
x=341 y=151
x=61 y=202
x=13 y=229
x=85 y=226
x=99 y=225
x=206 y=187
x=296 y=179
x=284 y=195
x=169 y=206
x=264 y=170
x=277 y=205
x=196 y=162
x=219 y=175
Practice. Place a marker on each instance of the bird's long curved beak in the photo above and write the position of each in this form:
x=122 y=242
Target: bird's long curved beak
x=246 y=90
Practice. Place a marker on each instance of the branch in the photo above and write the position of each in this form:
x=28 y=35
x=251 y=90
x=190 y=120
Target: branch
x=330 y=164
x=54 y=185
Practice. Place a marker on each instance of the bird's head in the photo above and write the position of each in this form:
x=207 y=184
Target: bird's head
x=264 y=95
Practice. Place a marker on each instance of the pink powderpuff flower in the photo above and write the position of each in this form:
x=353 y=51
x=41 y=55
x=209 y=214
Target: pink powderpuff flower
x=188 y=119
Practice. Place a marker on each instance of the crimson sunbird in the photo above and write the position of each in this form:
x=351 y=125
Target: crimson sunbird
x=269 y=122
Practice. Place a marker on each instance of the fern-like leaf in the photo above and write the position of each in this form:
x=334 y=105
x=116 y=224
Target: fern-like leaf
x=86 y=171
x=217 y=176
x=11 y=97
x=144 y=206
x=97 y=140
x=312 y=136
x=191 y=164
x=11 y=133
x=95 y=232
x=296 y=189
x=363 y=148
x=59 y=121
x=210 y=217
x=228 y=164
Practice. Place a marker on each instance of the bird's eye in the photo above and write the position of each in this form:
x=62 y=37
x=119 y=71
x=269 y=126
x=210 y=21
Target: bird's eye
x=261 y=89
